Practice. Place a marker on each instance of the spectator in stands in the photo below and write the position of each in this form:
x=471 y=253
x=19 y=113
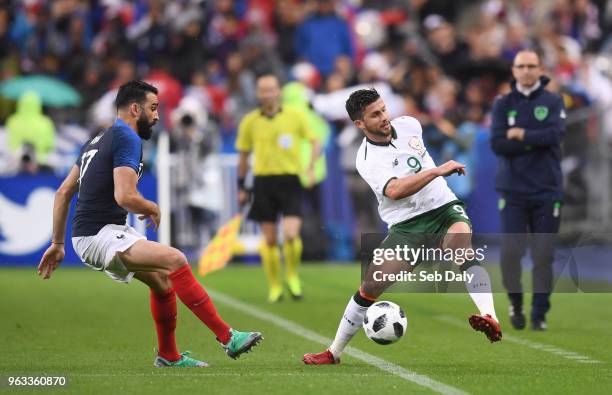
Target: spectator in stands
x=150 y=35
x=323 y=37
x=4 y=33
x=287 y=16
x=197 y=198
x=240 y=85
x=452 y=54
x=516 y=39
x=124 y=72
x=170 y=89
x=186 y=47
x=29 y=127
x=225 y=30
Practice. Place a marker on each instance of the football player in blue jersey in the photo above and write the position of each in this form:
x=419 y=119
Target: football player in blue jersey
x=106 y=176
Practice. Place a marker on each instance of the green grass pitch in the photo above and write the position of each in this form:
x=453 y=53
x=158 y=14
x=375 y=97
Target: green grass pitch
x=99 y=334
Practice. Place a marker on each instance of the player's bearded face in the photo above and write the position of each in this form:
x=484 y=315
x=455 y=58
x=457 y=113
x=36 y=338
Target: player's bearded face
x=382 y=132
x=145 y=125
x=376 y=119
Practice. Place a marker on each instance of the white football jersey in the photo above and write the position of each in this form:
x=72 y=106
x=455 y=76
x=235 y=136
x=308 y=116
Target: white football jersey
x=378 y=163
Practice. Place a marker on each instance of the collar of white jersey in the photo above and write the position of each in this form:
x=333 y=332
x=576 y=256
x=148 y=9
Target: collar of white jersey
x=385 y=144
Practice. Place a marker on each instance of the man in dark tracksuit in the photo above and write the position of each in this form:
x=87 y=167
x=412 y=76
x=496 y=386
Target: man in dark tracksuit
x=527 y=130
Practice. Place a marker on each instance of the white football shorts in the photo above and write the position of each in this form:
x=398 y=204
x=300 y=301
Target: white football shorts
x=99 y=252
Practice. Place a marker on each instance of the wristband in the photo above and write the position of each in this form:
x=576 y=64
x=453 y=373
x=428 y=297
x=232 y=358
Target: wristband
x=55 y=242
x=241 y=183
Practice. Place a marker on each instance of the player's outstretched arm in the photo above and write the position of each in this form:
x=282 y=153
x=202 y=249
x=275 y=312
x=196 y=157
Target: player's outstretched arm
x=399 y=188
x=127 y=196
x=54 y=255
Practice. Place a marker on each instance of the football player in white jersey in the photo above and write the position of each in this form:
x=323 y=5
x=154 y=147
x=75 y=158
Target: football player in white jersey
x=414 y=200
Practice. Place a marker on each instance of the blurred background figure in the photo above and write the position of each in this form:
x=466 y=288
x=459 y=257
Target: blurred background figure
x=274 y=134
x=295 y=95
x=323 y=37
x=528 y=127
x=31 y=134
x=197 y=198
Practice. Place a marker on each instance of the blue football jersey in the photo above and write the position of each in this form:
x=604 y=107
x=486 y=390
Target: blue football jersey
x=96 y=207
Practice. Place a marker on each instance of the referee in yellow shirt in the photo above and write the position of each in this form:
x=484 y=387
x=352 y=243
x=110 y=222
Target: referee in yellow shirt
x=274 y=135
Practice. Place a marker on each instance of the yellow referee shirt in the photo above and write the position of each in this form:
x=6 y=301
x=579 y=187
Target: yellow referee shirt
x=275 y=141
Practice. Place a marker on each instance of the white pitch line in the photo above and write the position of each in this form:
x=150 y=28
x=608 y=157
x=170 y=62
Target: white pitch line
x=408 y=375
x=571 y=355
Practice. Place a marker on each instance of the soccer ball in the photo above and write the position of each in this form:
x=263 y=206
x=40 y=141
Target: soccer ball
x=385 y=322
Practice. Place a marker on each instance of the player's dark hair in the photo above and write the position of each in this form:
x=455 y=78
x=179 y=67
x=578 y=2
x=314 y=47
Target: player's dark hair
x=133 y=91
x=359 y=100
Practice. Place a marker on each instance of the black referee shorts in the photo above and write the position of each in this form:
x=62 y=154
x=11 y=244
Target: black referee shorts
x=274 y=195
